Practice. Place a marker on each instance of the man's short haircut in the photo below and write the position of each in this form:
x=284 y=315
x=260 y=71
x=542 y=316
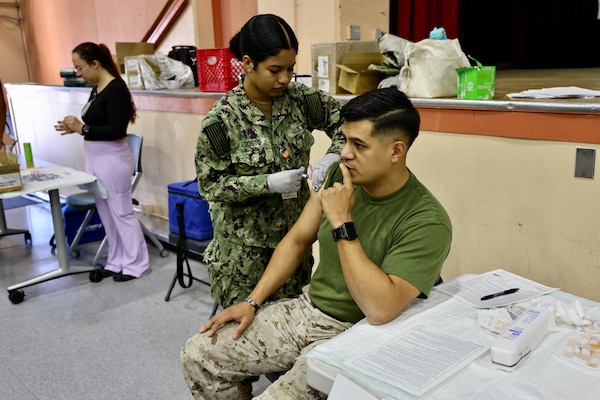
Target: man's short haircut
x=389 y=109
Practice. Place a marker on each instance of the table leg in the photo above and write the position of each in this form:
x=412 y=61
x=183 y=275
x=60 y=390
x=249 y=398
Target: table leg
x=64 y=268
x=5 y=231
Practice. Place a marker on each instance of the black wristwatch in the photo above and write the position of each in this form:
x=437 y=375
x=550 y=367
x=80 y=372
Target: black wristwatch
x=85 y=129
x=346 y=231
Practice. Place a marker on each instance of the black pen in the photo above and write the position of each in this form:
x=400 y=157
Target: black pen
x=491 y=296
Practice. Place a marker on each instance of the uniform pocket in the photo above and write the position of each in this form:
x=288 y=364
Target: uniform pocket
x=250 y=155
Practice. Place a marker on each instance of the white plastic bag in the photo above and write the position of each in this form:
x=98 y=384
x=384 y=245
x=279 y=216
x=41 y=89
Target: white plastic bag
x=430 y=68
x=162 y=72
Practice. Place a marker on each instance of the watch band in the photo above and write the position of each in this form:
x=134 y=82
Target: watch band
x=347 y=231
x=252 y=303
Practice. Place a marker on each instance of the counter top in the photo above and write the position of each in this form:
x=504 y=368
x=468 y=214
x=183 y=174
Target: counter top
x=507 y=81
x=573 y=120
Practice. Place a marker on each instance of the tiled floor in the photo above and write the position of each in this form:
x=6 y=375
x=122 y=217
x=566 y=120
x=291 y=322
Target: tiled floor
x=74 y=339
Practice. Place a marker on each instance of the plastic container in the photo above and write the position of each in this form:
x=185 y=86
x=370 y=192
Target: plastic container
x=522 y=336
x=28 y=155
x=218 y=70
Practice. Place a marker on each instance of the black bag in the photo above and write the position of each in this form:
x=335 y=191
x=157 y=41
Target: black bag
x=187 y=55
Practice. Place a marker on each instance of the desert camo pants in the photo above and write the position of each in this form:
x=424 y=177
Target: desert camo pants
x=219 y=367
x=235 y=270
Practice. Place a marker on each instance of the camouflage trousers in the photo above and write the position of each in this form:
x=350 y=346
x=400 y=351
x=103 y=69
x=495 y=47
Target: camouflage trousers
x=219 y=367
x=235 y=270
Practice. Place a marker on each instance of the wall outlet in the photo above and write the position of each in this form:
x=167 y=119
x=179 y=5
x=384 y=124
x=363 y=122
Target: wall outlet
x=353 y=32
x=585 y=162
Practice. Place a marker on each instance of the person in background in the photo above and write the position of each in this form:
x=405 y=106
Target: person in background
x=106 y=115
x=383 y=240
x=252 y=154
x=6 y=139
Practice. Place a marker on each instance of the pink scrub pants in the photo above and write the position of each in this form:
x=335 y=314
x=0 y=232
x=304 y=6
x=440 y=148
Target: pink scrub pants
x=112 y=163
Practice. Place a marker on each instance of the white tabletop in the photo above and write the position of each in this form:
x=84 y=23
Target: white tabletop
x=543 y=374
x=46 y=176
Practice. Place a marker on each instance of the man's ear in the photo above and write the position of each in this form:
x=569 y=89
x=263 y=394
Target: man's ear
x=399 y=149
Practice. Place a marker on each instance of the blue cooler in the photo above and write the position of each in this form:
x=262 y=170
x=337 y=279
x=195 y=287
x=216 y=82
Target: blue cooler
x=196 y=219
x=73 y=219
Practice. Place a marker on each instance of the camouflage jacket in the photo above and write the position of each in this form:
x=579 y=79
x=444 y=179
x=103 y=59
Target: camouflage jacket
x=238 y=147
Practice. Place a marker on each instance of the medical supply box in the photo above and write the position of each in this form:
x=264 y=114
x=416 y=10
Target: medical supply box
x=10 y=172
x=522 y=336
x=196 y=218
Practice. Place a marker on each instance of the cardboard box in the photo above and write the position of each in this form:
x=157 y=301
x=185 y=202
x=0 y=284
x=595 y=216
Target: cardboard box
x=355 y=76
x=326 y=57
x=126 y=49
x=133 y=73
x=10 y=172
x=476 y=83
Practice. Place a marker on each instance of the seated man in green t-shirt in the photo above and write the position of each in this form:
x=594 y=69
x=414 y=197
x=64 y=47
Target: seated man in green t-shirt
x=383 y=238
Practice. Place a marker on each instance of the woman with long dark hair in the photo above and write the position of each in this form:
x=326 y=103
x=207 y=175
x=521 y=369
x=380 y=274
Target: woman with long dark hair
x=106 y=116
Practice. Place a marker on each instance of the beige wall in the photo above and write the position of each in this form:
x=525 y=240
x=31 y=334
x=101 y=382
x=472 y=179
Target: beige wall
x=515 y=205
x=53 y=28
x=13 y=64
x=319 y=21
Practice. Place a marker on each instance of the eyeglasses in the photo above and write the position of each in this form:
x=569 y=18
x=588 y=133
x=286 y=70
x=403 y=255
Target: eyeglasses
x=79 y=68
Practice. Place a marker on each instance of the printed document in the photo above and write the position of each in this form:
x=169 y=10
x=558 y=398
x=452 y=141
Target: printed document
x=426 y=350
x=472 y=290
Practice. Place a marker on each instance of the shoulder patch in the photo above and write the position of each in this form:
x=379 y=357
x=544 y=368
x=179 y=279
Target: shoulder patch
x=315 y=108
x=217 y=136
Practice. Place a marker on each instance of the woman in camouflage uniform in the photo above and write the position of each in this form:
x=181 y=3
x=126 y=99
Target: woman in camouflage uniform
x=252 y=151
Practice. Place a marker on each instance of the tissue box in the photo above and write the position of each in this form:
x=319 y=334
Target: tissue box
x=476 y=83
x=355 y=77
x=10 y=172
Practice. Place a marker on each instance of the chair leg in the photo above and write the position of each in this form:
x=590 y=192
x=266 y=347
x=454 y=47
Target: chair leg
x=214 y=309
x=153 y=239
x=100 y=251
x=81 y=230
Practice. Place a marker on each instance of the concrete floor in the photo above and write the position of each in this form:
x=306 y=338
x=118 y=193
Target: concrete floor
x=74 y=339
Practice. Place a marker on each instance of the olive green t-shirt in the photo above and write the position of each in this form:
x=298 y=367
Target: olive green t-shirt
x=406 y=233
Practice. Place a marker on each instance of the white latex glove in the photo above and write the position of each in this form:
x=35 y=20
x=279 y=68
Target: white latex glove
x=321 y=169
x=285 y=181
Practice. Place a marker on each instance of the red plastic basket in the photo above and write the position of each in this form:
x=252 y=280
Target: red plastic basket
x=218 y=70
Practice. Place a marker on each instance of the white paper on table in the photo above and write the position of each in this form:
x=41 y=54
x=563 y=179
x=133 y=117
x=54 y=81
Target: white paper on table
x=419 y=359
x=556 y=93
x=472 y=290
x=424 y=351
